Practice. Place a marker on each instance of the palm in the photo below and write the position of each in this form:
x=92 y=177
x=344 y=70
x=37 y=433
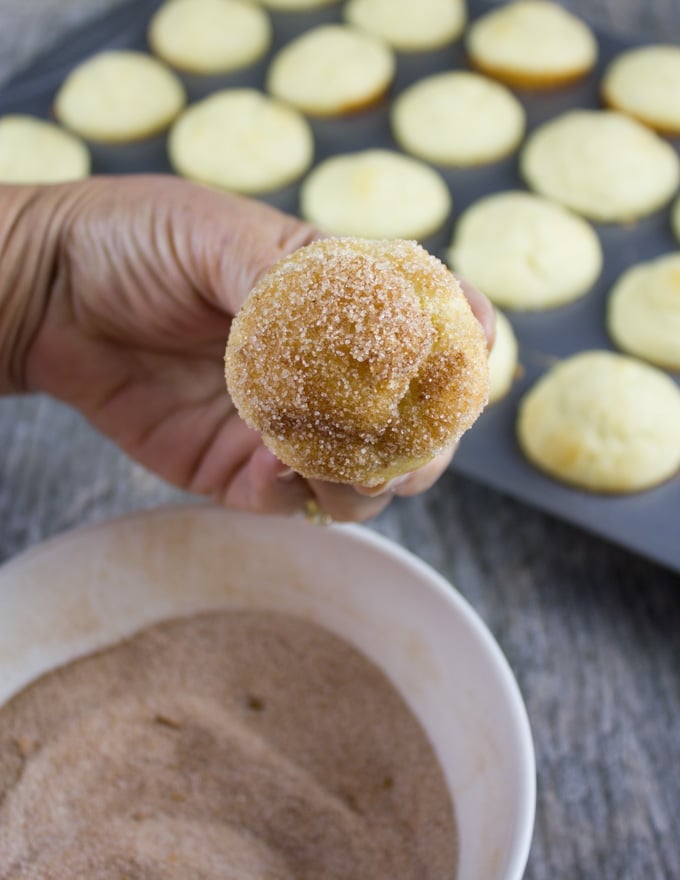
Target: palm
x=172 y=414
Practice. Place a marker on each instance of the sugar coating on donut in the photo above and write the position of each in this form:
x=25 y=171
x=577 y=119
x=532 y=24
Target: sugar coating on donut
x=357 y=360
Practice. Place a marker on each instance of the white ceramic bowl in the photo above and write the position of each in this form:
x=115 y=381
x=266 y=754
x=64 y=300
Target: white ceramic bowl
x=89 y=588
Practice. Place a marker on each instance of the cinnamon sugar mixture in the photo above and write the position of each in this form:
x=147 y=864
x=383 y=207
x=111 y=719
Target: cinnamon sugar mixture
x=235 y=745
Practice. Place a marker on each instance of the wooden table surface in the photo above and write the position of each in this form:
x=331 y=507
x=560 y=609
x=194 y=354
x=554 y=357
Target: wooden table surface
x=590 y=630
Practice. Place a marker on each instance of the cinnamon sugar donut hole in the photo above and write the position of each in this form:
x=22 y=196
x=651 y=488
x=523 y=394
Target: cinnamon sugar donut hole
x=357 y=360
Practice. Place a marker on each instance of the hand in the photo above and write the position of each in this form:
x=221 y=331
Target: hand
x=147 y=274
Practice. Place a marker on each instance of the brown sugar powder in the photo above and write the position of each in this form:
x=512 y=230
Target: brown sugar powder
x=235 y=745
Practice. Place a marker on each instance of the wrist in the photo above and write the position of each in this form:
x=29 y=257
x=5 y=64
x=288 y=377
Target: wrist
x=31 y=218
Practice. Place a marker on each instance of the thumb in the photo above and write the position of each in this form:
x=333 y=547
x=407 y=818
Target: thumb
x=238 y=239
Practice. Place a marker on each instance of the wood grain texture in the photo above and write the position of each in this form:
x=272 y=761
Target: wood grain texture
x=590 y=630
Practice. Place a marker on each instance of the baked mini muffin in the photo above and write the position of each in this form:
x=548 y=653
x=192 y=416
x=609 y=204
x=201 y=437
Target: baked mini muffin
x=409 y=26
x=503 y=360
x=525 y=252
x=297 y=5
x=602 y=164
x=643 y=314
x=375 y=194
x=645 y=83
x=603 y=422
x=331 y=70
x=119 y=96
x=210 y=36
x=35 y=151
x=241 y=140
x=532 y=43
x=458 y=118
x=357 y=360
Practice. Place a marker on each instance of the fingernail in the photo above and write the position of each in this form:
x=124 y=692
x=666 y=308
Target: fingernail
x=286 y=475
x=396 y=482
x=383 y=488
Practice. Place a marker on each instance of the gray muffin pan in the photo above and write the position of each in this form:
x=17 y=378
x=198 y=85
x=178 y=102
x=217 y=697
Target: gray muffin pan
x=647 y=522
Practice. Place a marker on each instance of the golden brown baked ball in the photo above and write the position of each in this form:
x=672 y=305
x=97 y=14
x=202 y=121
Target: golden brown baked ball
x=357 y=360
